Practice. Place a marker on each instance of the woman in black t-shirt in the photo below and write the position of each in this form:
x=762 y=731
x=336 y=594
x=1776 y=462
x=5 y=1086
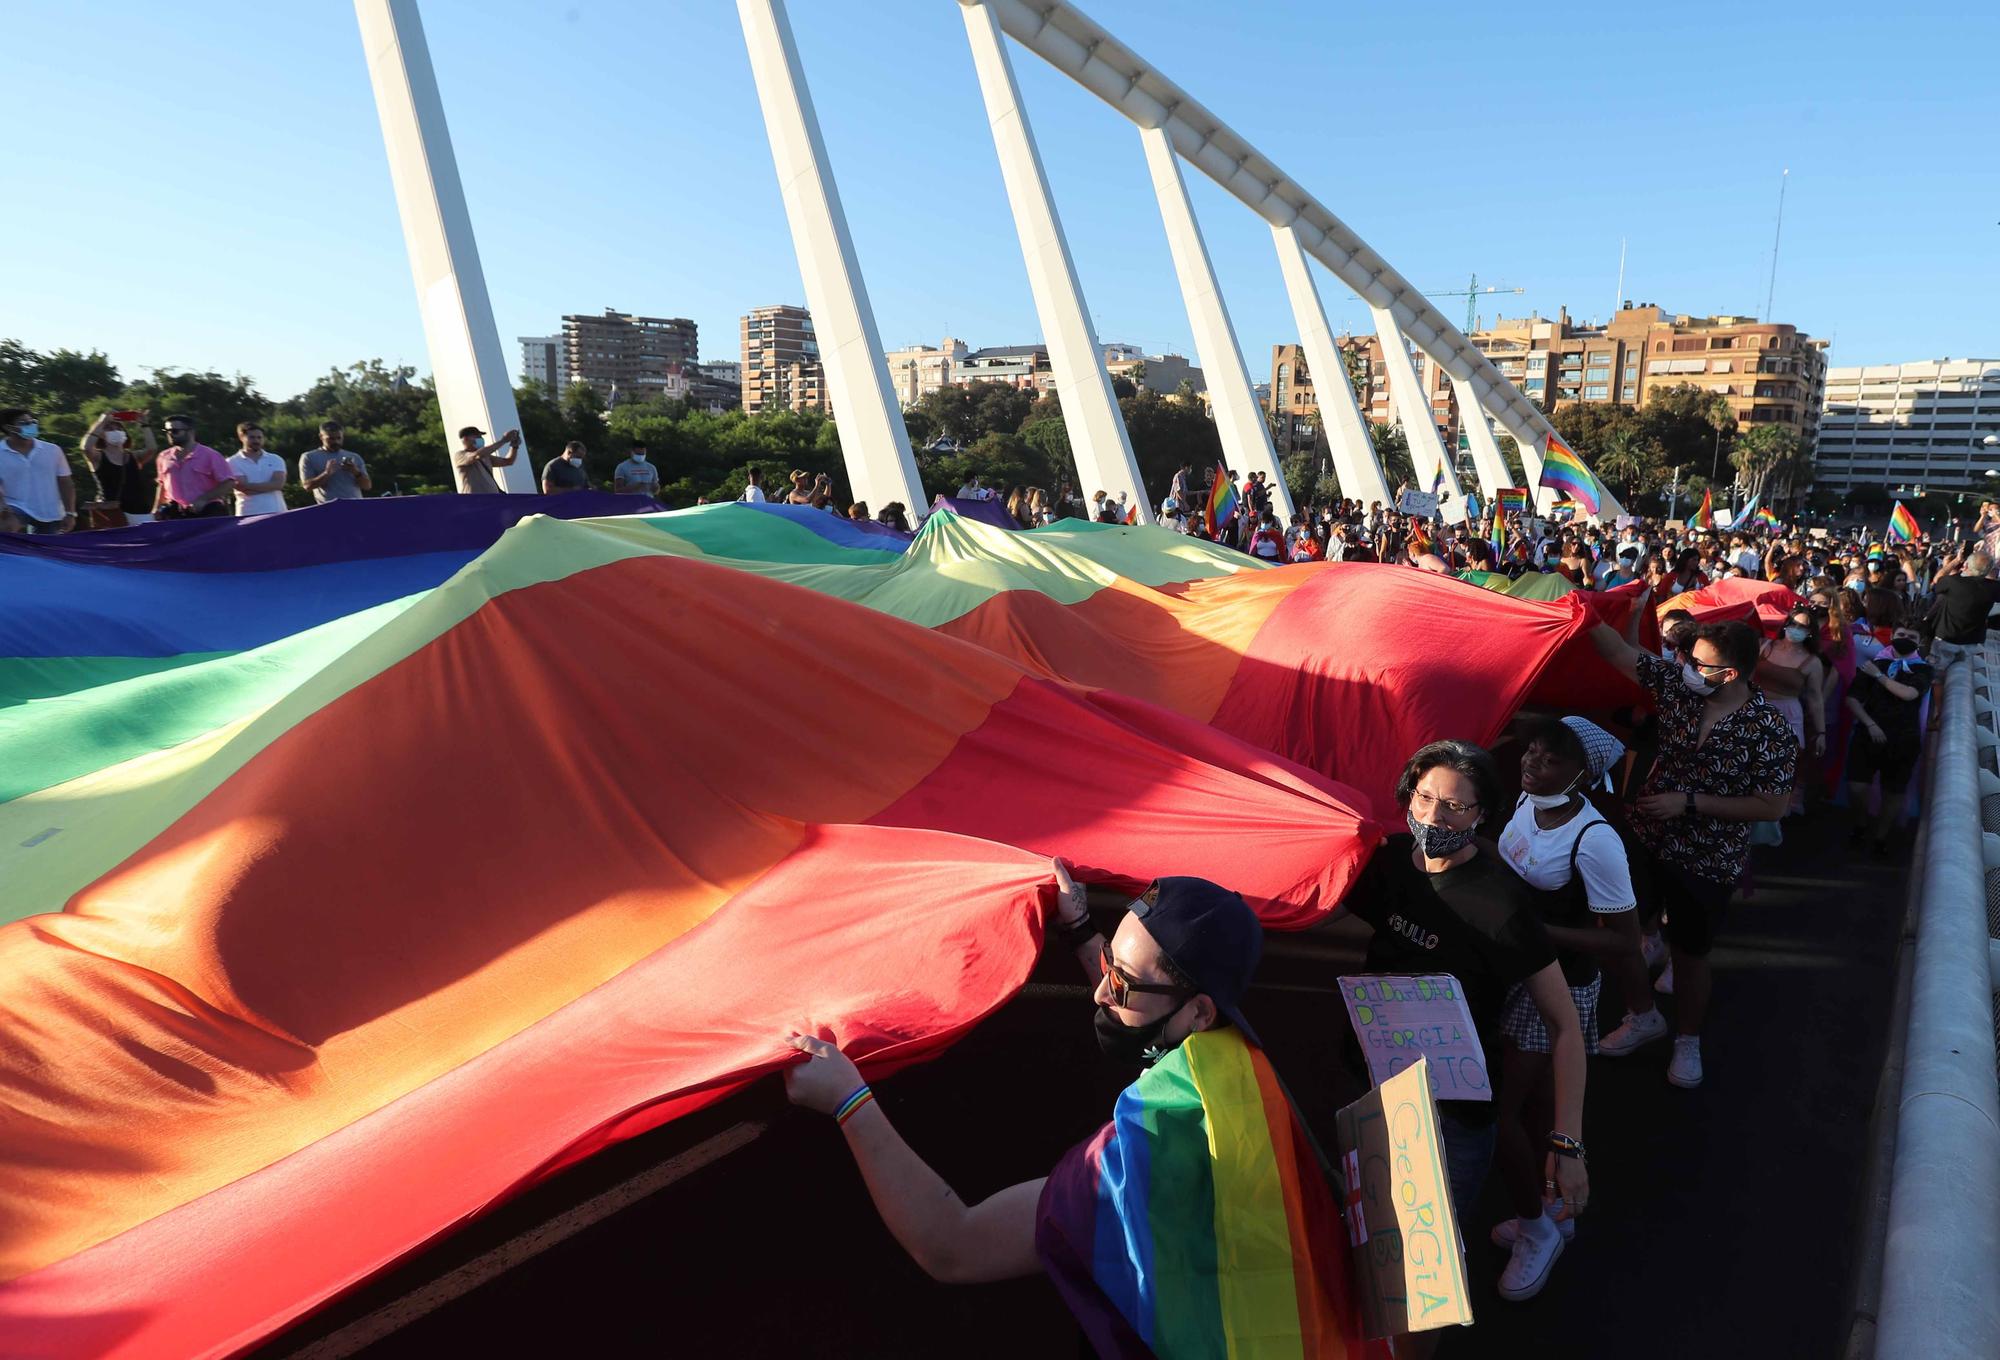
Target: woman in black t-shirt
x=1442 y=902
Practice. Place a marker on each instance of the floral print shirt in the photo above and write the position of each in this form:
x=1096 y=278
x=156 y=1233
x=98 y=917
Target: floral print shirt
x=1750 y=751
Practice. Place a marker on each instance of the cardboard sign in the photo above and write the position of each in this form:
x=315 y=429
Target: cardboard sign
x=1418 y=503
x=1409 y=1261
x=1625 y=521
x=1402 y=1019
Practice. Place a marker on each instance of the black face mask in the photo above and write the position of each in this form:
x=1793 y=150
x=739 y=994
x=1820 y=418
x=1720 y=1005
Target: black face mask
x=1905 y=646
x=1129 y=1045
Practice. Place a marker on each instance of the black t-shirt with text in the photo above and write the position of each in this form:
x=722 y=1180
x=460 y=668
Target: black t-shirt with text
x=1474 y=921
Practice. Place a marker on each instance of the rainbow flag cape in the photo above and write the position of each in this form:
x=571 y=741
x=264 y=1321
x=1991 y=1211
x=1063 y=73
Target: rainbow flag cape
x=1704 y=515
x=1221 y=500
x=1198 y=1222
x=1420 y=539
x=1512 y=500
x=1563 y=471
x=1903 y=526
x=1766 y=517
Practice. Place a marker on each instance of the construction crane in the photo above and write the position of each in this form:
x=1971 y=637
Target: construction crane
x=1472 y=293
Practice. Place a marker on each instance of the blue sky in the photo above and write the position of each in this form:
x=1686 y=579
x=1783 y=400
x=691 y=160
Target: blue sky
x=209 y=190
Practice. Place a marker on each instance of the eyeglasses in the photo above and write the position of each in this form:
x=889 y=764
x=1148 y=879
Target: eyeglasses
x=1123 y=984
x=1709 y=665
x=1430 y=802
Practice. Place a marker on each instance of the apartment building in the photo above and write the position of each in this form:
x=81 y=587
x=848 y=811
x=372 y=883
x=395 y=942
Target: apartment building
x=1925 y=424
x=542 y=361
x=919 y=370
x=626 y=358
x=781 y=365
x=1023 y=366
x=1162 y=373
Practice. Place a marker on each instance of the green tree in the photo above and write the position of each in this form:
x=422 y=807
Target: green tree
x=1772 y=462
x=1691 y=427
x=1392 y=451
x=1165 y=434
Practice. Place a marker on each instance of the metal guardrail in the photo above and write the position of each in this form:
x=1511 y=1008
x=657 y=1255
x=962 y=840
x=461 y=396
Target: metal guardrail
x=1939 y=1292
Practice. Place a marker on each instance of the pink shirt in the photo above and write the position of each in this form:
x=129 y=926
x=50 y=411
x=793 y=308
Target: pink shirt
x=186 y=474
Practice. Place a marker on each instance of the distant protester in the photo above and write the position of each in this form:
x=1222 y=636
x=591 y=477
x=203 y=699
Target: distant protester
x=332 y=472
x=564 y=473
x=194 y=480
x=260 y=473
x=636 y=476
x=35 y=478
x=475 y=461
x=124 y=471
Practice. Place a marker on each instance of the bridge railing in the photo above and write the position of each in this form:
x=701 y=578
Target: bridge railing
x=1938 y=1292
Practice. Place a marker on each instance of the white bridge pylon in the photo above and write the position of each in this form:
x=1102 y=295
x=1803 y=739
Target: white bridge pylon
x=471 y=373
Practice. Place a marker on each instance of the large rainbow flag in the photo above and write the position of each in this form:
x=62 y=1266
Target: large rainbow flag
x=306 y=889
x=1198 y=1222
x=1566 y=474
x=1903 y=527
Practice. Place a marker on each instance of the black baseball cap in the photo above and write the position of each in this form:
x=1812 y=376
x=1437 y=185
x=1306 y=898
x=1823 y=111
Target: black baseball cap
x=472 y=432
x=1210 y=934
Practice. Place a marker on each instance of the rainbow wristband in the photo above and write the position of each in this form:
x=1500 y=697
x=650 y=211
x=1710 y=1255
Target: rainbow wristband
x=862 y=1095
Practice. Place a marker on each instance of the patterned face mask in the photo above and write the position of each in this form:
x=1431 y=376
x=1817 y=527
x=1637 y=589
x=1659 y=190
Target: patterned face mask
x=1438 y=842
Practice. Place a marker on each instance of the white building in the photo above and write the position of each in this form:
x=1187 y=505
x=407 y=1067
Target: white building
x=542 y=360
x=918 y=371
x=1923 y=425
x=1161 y=373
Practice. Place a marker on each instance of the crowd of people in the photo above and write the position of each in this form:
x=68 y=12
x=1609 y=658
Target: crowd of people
x=1594 y=849
x=1586 y=858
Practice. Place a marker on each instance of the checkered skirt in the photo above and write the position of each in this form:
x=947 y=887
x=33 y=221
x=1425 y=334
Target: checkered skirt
x=1521 y=1024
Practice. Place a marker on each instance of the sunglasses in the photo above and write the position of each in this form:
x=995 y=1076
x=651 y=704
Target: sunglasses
x=1123 y=984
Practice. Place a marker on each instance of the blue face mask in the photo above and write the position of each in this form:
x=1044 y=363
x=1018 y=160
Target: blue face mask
x=1796 y=634
x=27 y=429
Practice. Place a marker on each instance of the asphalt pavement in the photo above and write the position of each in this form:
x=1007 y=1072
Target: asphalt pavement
x=1723 y=1220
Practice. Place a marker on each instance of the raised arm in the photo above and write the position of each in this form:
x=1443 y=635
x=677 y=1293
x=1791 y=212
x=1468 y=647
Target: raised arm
x=1619 y=654
x=954 y=1242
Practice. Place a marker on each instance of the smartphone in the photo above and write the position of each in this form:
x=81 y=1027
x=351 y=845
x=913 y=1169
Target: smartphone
x=125 y=415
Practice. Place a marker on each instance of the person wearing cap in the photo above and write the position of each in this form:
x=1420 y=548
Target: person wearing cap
x=475 y=461
x=1573 y=862
x=1170 y=984
x=1442 y=901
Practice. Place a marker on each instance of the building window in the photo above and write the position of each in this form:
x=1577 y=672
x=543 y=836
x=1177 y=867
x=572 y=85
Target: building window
x=1722 y=366
x=1538 y=363
x=1602 y=375
x=1631 y=393
x=1598 y=393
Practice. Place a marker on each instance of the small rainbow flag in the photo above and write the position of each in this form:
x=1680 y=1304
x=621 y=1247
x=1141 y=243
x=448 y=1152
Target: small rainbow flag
x=1766 y=517
x=1132 y=513
x=1565 y=472
x=1437 y=482
x=1198 y=1221
x=1903 y=525
x=1221 y=501
x=1512 y=500
x=1704 y=514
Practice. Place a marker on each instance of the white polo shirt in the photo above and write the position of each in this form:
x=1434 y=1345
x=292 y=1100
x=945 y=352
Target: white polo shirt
x=262 y=468
x=30 y=479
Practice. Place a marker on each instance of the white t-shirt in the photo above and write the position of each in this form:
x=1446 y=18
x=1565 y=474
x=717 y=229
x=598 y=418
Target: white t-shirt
x=1541 y=858
x=262 y=468
x=753 y=494
x=29 y=479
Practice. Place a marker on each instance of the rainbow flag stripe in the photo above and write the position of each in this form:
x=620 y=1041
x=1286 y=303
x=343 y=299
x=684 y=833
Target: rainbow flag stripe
x=1198 y=1223
x=1902 y=525
x=1766 y=516
x=1221 y=500
x=1566 y=473
x=1512 y=500
x=1704 y=514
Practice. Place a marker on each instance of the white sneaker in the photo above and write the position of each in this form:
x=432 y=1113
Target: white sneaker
x=1528 y=1268
x=1636 y=1031
x=1508 y=1230
x=1654 y=949
x=1685 y=1069
x=1664 y=983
